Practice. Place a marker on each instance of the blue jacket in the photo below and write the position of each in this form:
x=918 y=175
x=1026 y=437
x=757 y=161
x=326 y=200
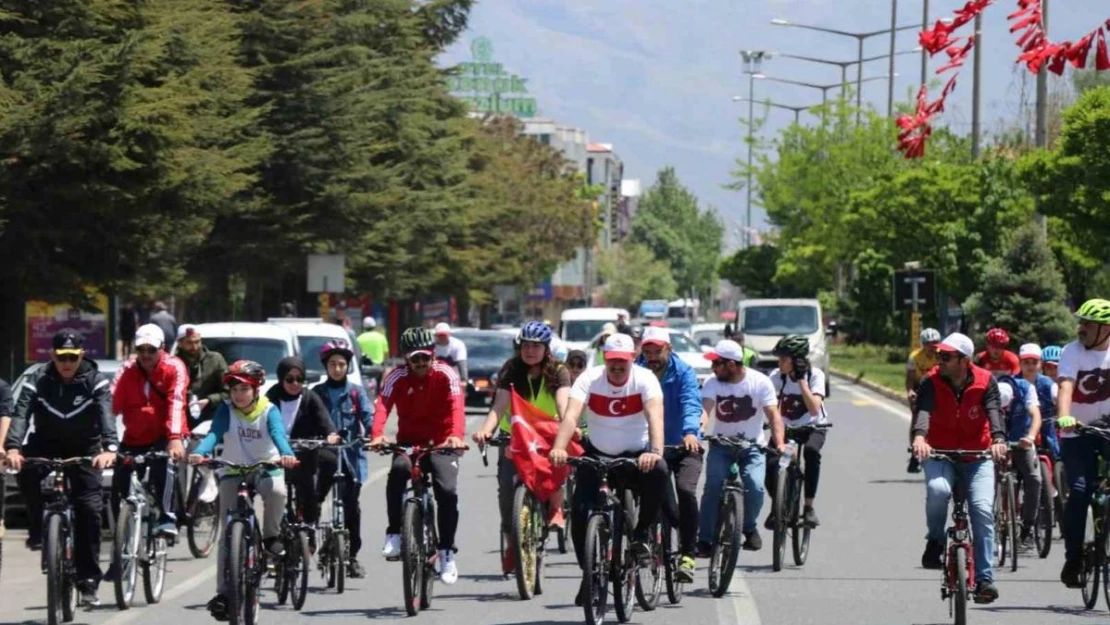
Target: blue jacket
x=351 y=412
x=1018 y=420
x=681 y=401
x=1048 y=412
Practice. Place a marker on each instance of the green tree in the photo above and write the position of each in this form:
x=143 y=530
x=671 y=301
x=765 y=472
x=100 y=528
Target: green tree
x=669 y=222
x=1023 y=291
x=753 y=270
x=633 y=274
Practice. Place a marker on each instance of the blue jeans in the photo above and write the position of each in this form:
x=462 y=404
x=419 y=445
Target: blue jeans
x=753 y=467
x=978 y=478
x=1081 y=461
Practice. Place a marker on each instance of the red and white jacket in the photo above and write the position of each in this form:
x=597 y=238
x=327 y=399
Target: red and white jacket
x=153 y=407
x=431 y=408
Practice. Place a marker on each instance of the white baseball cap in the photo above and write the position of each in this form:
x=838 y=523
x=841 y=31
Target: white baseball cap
x=727 y=350
x=187 y=331
x=369 y=322
x=150 y=335
x=619 y=347
x=658 y=336
x=442 y=328
x=959 y=343
x=1029 y=350
x=1005 y=394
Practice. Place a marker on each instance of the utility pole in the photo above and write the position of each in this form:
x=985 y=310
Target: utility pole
x=753 y=63
x=924 y=53
x=1041 y=136
x=890 y=72
x=975 y=87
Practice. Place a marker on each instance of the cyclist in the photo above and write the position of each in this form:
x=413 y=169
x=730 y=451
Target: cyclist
x=535 y=375
x=352 y=415
x=682 y=419
x=1084 y=369
x=637 y=334
x=751 y=357
x=373 y=342
x=1051 y=362
x=206 y=372
x=251 y=430
x=451 y=350
x=71 y=405
x=559 y=349
x=623 y=406
x=958 y=408
x=801 y=393
x=607 y=330
x=576 y=363
x=996 y=358
x=1022 y=414
x=430 y=407
x=1047 y=391
x=149 y=391
x=921 y=361
x=303 y=416
x=744 y=401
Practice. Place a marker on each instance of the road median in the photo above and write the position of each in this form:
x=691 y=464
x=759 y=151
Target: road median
x=877 y=368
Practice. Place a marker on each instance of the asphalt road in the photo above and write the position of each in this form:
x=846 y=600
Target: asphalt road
x=863 y=566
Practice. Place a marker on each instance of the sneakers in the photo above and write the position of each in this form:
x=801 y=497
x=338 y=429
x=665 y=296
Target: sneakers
x=1072 y=573
x=642 y=552
x=556 y=520
x=111 y=575
x=391 y=548
x=931 y=559
x=580 y=598
x=274 y=546
x=166 y=528
x=217 y=607
x=703 y=549
x=914 y=466
x=33 y=544
x=685 y=572
x=355 y=570
x=87 y=588
x=752 y=541
x=985 y=592
x=448 y=571
x=508 y=559
x=769 y=524
x=809 y=517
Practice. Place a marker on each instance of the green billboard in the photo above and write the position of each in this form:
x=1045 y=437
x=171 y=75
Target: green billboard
x=487 y=87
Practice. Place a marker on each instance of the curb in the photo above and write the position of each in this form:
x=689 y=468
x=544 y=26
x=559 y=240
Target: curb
x=874 y=387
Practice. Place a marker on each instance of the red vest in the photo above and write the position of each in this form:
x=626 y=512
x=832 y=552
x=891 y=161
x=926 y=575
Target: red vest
x=963 y=423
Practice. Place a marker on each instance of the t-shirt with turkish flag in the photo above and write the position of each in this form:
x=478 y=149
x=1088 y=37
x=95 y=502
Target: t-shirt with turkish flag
x=793 y=406
x=1091 y=371
x=1007 y=363
x=739 y=406
x=615 y=414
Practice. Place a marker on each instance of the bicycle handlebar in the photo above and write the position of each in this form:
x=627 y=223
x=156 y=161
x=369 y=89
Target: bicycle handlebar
x=951 y=454
x=141 y=458
x=500 y=440
x=310 y=444
x=390 y=448
x=247 y=468
x=58 y=463
x=602 y=463
x=808 y=427
x=735 y=442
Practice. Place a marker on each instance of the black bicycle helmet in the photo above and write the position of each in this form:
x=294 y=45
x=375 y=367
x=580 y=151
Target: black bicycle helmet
x=793 y=345
x=416 y=339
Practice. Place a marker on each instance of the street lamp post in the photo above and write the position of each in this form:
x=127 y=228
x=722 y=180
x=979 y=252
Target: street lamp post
x=797 y=109
x=824 y=88
x=753 y=63
x=844 y=65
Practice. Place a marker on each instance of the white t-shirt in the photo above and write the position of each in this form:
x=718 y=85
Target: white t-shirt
x=454 y=349
x=1090 y=370
x=615 y=414
x=793 y=406
x=739 y=409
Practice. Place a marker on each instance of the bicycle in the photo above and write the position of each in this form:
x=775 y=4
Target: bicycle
x=419 y=535
x=335 y=538
x=1006 y=512
x=607 y=550
x=1096 y=564
x=245 y=562
x=788 y=499
x=1046 y=508
x=197 y=508
x=136 y=545
x=959 y=559
x=730 y=517
x=664 y=555
x=57 y=552
x=291 y=570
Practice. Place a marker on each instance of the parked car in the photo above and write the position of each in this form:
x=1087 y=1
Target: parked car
x=264 y=343
x=684 y=347
x=707 y=334
x=486 y=353
x=312 y=334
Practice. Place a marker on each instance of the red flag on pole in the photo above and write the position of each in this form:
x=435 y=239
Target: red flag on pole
x=533 y=435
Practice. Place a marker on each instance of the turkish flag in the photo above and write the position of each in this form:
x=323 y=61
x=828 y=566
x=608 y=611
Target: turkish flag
x=533 y=434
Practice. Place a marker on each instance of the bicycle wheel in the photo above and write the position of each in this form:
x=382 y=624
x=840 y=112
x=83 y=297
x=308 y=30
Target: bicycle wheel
x=203 y=528
x=565 y=542
x=237 y=574
x=431 y=542
x=1042 y=529
x=675 y=588
x=1012 y=512
x=1093 y=562
x=297 y=573
x=125 y=549
x=649 y=582
x=800 y=532
x=524 y=540
x=282 y=583
x=778 y=552
x=154 y=569
x=1102 y=545
x=412 y=555
x=1001 y=526
x=55 y=572
x=595 y=569
x=726 y=543
x=623 y=571
x=962 y=591
x=341 y=553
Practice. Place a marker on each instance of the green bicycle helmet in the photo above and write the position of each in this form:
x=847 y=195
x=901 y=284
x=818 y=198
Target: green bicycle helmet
x=1096 y=310
x=793 y=345
x=417 y=339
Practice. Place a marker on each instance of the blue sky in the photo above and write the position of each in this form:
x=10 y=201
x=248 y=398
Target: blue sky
x=656 y=77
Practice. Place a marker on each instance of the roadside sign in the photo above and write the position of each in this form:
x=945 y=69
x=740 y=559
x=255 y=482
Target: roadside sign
x=914 y=290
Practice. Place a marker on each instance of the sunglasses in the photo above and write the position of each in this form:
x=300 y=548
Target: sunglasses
x=420 y=358
x=293 y=380
x=946 y=356
x=720 y=362
x=67 y=357
x=1030 y=361
x=147 y=350
x=576 y=365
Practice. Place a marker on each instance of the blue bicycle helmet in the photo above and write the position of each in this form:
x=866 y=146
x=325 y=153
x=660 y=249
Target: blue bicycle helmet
x=1051 y=353
x=536 y=332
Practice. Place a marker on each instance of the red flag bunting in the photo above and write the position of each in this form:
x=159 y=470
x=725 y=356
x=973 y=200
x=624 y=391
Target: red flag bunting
x=533 y=434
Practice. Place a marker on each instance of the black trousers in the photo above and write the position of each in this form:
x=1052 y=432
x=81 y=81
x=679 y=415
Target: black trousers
x=811 y=443
x=445 y=480
x=161 y=479
x=686 y=468
x=349 y=490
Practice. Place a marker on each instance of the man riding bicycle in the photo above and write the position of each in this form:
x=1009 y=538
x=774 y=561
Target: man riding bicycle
x=623 y=404
x=996 y=358
x=1031 y=357
x=682 y=418
x=451 y=350
x=430 y=407
x=921 y=362
x=206 y=372
x=1084 y=369
x=958 y=407
x=1022 y=414
x=1050 y=362
x=71 y=405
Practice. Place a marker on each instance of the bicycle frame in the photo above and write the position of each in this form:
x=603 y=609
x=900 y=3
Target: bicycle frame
x=57 y=503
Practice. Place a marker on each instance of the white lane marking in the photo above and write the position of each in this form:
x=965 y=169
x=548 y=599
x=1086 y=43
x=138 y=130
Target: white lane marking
x=902 y=412
x=203 y=576
x=744 y=611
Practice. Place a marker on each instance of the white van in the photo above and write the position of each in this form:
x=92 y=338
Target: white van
x=264 y=343
x=764 y=321
x=578 y=326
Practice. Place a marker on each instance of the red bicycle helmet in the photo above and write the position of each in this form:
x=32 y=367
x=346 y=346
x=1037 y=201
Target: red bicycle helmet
x=997 y=337
x=245 y=372
x=336 y=346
